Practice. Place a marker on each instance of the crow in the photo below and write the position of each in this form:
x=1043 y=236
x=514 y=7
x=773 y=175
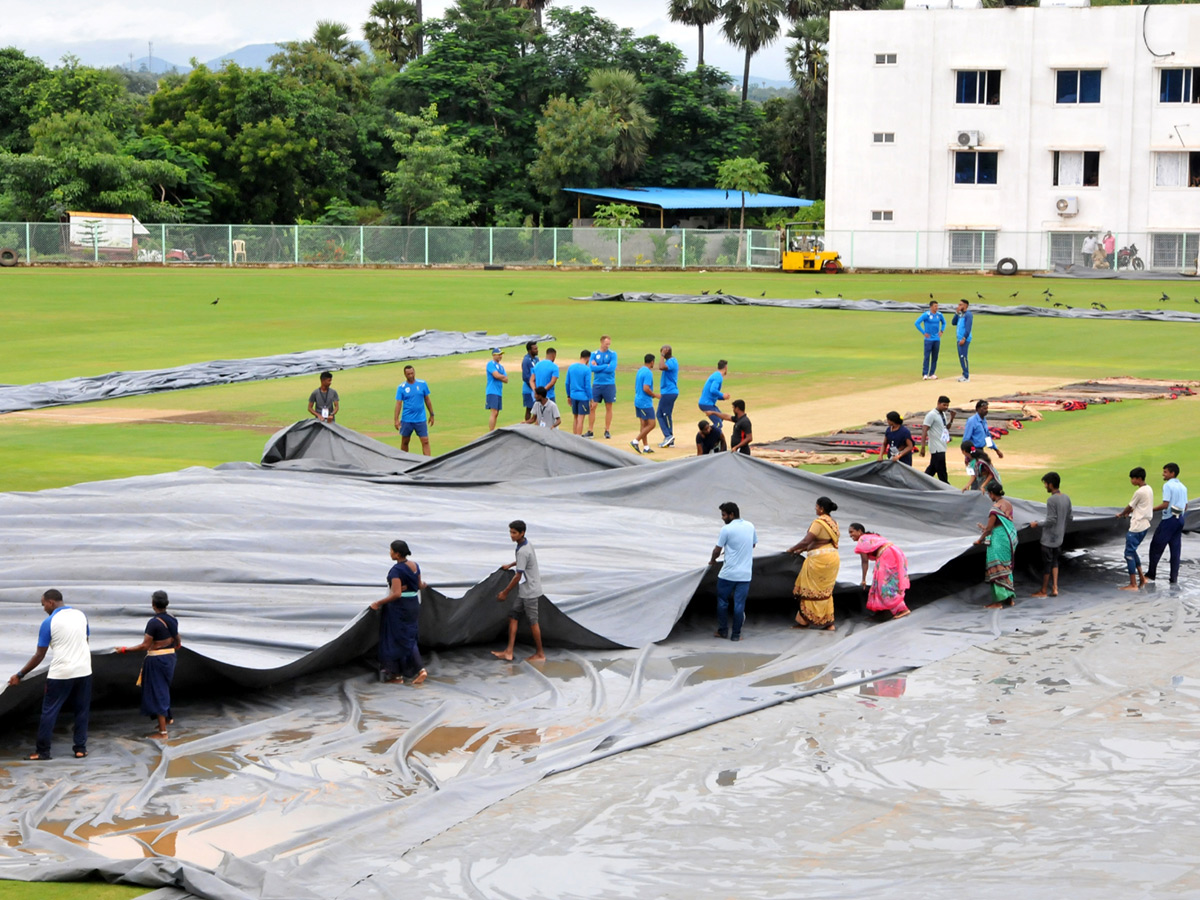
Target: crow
x=1164 y=298
x=215 y=302
x=1099 y=306
x=510 y=293
x=840 y=297
x=979 y=295
x=817 y=292
x=1061 y=305
x=1196 y=299
x=1046 y=291
x=1049 y=295
x=1013 y=294
x=763 y=294
x=704 y=293
x=931 y=296
x=719 y=291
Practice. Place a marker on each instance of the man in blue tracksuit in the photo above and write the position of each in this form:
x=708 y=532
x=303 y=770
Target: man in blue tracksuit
x=963 y=321
x=603 y=364
x=931 y=324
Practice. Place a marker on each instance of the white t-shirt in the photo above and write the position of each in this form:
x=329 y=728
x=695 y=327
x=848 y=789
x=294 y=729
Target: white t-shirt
x=65 y=631
x=939 y=433
x=1143 y=508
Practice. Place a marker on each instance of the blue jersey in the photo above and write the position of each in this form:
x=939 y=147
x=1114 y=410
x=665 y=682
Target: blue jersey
x=604 y=367
x=931 y=325
x=645 y=379
x=413 y=396
x=495 y=387
x=711 y=393
x=542 y=373
x=579 y=382
x=669 y=383
x=527 y=365
x=964 y=324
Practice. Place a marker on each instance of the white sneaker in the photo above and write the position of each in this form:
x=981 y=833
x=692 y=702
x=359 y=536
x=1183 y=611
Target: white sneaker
x=669 y=442
x=963 y=378
x=924 y=377
x=933 y=378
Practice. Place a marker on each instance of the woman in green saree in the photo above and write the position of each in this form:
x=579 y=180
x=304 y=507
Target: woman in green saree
x=1000 y=536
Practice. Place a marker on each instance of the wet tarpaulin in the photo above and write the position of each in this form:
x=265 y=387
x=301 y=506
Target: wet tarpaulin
x=1093 y=274
x=421 y=345
x=1045 y=312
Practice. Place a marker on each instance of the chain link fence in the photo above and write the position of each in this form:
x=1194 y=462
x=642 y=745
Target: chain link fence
x=609 y=248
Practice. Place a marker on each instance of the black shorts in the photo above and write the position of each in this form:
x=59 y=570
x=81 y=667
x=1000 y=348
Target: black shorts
x=1050 y=557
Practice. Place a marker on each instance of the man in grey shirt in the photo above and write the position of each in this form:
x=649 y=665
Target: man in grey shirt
x=935 y=434
x=1054 y=529
x=323 y=402
x=528 y=582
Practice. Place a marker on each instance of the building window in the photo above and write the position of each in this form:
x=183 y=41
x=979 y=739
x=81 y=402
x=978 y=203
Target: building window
x=1077 y=86
x=1173 y=169
x=881 y=215
x=1179 y=86
x=1074 y=168
x=978 y=87
x=975 y=166
x=885 y=137
x=1174 y=251
x=1066 y=247
x=976 y=249
x=885 y=59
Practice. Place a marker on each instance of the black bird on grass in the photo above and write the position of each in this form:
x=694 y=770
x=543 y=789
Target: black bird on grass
x=1061 y=305
x=1046 y=291
x=1196 y=299
x=510 y=293
x=931 y=296
x=704 y=293
x=1164 y=298
x=1013 y=294
x=719 y=291
x=1099 y=306
x=817 y=292
x=215 y=302
x=763 y=294
x=840 y=297
x=979 y=295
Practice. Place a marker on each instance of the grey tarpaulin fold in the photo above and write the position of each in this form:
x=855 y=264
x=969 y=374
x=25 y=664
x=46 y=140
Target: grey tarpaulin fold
x=421 y=345
x=1094 y=274
x=1044 y=312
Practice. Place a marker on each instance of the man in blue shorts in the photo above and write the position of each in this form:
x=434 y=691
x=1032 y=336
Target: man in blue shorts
x=527 y=363
x=545 y=373
x=643 y=404
x=668 y=393
x=604 y=385
x=412 y=399
x=711 y=393
x=579 y=390
x=493 y=398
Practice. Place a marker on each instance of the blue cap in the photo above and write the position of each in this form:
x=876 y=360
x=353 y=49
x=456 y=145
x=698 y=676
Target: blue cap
x=496 y=350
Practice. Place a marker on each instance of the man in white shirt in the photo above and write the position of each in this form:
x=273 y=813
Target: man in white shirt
x=935 y=434
x=1139 y=511
x=1087 y=248
x=66 y=632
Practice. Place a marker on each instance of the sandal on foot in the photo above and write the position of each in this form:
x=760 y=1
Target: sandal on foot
x=80 y=754
x=37 y=757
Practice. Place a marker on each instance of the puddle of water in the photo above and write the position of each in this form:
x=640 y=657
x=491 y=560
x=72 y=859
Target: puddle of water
x=716 y=665
x=447 y=739
x=727 y=777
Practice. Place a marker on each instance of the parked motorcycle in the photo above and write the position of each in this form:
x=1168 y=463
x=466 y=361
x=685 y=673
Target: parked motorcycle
x=1127 y=258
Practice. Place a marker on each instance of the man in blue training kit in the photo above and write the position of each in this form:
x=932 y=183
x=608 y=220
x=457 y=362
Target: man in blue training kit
x=412 y=399
x=737 y=539
x=964 y=321
x=545 y=373
x=493 y=397
x=931 y=324
x=643 y=405
x=711 y=393
x=668 y=393
x=527 y=363
x=579 y=390
x=604 y=385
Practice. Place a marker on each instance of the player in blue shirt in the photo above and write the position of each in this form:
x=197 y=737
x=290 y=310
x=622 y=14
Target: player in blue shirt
x=711 y=393
x=412 y=399
x=579 y=390
x=643 y=404
x=545 y=373
x=737 y=540
x=493 y=396
x=963 y=322
x=527 y=363
x=1169 y=532
x=668 y=393
x=931 y=325
x=603 y=364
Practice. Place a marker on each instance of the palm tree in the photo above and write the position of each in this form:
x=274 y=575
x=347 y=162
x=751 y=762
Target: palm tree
x=535 y=7
x=391 y=29
x=808 y=64
x=619 y=91
x=695 y=12
x=751 y=25
x=331 y=37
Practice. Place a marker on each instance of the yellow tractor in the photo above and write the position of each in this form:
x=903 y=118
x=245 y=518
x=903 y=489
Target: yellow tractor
x=804 y=251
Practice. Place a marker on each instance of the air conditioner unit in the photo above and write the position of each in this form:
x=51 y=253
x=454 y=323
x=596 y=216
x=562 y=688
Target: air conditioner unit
x=1067 y=206
x=968 y=139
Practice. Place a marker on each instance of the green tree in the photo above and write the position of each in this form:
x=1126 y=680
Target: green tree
x=423 y=189
x=619 y=91
x=751 y=25
x=697 y=13
x=744 y=175
x=617 y=215
x=73 y=87
x=391 y=30
x=21 y=79
x=536 y=7
x=575 y=147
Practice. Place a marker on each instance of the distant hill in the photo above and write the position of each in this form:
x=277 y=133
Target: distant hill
x=252 y=56
x=156 y=65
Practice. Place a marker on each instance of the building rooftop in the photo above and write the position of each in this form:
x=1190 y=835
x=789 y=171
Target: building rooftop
x=690 y=198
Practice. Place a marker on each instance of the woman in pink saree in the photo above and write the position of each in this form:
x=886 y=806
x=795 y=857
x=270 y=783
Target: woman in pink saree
x=891 y=571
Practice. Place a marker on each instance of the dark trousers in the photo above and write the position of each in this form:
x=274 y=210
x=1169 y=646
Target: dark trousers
x=58 y=691
x=937 y=467
x=1169 y=533
x=963 y=350
x=932 y=348
x=731 y=593
x=666 y=414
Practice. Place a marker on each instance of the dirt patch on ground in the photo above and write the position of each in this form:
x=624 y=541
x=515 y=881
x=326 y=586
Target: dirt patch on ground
x=106 y=415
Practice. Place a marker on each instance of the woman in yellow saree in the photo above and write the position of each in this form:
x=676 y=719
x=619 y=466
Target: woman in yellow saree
x=819 y=571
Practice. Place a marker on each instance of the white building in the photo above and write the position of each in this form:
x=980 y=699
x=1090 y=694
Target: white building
x=960 y=137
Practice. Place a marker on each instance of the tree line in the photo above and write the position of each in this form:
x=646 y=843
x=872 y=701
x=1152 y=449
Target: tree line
x=478 y=117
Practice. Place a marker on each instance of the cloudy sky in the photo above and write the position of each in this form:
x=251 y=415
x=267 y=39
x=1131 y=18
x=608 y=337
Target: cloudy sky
x=105 y=32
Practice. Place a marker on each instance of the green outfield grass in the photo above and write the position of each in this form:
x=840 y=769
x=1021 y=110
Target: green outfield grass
x=45 y=890
x=68 y=322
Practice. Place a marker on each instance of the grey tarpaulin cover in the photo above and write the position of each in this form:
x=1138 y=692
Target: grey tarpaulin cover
x=1045 y=312
x=1089 y=272
x=319 y=786
x=421 y=345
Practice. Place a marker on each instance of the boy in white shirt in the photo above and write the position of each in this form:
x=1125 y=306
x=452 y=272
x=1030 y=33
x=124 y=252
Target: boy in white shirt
x=1139 y=512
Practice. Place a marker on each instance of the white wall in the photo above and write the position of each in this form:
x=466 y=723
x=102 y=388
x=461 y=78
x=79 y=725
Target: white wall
x=915 y=99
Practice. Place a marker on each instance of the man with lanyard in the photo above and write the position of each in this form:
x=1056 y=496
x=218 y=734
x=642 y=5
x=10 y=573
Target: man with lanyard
x=668 y=393
x=1169 y=532
x=160 y=641
x=931 y=325
x=935 y=433
x=711 y=393
x=603 y=364
x=493 y=397
x=643 y=404
x=527 y=363
x=66 y=632
x=412 y=399
x=579 y=390
x=977 y=434
x=964 y=321
x=323 y=402
x=737 y=539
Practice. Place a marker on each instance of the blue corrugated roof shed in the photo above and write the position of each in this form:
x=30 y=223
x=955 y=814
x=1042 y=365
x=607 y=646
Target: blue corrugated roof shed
x=690 y=198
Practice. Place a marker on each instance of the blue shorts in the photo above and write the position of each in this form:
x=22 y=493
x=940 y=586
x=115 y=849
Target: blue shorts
x=644 y=412
x=527 y=399
x=407 y=428
x=493 y=401
x=581 y=407
x=606 y=393
x=713 y=416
